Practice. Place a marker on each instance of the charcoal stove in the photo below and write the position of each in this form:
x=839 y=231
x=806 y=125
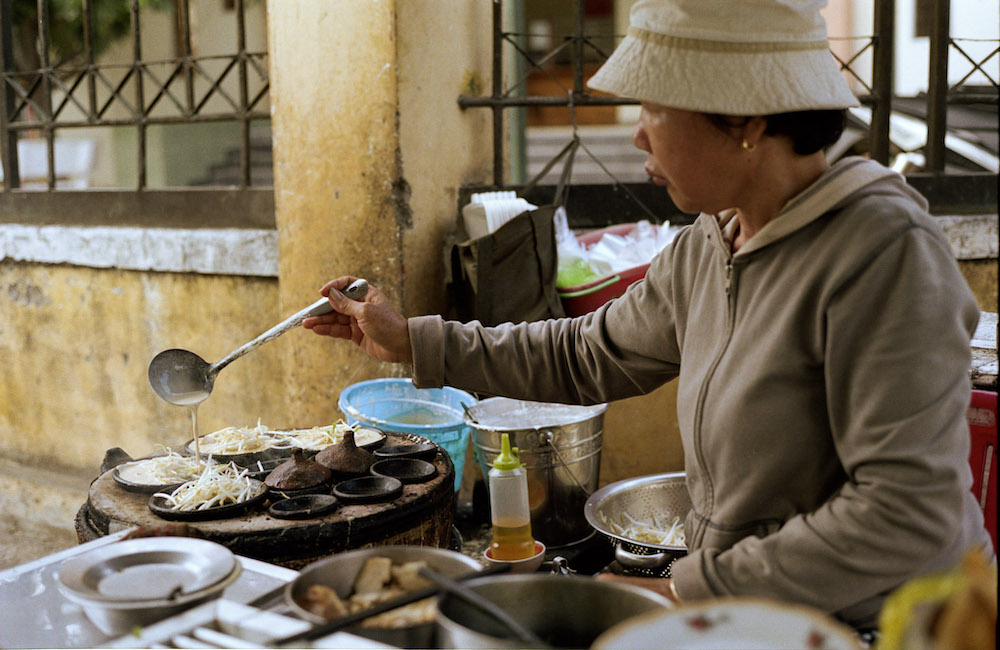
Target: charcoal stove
x=422 y=514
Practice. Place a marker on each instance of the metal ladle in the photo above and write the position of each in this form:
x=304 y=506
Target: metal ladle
x=183 y=378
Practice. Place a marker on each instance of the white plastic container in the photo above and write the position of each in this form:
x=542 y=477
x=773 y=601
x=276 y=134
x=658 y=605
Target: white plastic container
x=509 y=510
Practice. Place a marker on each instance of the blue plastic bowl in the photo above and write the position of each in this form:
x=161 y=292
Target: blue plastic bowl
x=394 y=405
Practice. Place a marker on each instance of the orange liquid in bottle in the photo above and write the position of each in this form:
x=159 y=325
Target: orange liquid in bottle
x=512 y=542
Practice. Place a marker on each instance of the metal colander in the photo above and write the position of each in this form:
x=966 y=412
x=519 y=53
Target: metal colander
x=664 y=496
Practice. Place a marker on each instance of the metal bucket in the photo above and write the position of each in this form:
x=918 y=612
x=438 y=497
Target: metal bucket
x=560 y=447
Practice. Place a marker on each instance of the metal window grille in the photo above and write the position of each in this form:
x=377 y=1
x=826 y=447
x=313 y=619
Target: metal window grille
x=877 y=95
x=83 y=93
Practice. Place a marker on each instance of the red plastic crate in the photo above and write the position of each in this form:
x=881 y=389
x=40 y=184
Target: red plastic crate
x=982 y=417
x=584 y=298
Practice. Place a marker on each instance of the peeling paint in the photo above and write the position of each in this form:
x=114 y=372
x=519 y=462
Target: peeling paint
x=24 y=294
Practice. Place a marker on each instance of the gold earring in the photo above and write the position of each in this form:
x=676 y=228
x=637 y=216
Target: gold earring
x=747 y=146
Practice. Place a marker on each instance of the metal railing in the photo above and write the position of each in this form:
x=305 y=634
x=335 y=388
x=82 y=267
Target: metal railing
x=190 y=89
x=878 y=94
x=83 y=93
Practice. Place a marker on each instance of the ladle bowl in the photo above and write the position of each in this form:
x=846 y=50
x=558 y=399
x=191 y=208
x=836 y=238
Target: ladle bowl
x=183 y=378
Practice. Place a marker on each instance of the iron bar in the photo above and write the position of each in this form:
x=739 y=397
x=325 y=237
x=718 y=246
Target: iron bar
x=159 y=121
x=972 y=98
x=184 y=15
x=578 y=43
x=882 y=80
x=44 y=43
x=241 y=46
x=937 y=88
x=498 y=157
x=140 y=122
x=88 y=46
x=8 y=138
x=466 y=101
x=215 y=86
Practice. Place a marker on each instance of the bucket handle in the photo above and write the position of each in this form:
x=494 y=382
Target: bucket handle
x=545 y=437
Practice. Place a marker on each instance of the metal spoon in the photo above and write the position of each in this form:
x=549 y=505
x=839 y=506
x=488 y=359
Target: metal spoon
x=183 y=378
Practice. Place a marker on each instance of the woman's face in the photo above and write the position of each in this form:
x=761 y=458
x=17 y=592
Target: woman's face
x=698 y=163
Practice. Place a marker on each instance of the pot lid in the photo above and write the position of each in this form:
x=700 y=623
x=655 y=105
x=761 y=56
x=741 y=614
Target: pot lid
x=505 y=414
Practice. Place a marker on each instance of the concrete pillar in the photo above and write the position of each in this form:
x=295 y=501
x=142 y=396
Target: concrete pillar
x=370 y=149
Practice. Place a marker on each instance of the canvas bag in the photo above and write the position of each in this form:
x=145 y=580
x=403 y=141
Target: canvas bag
x=510 y=274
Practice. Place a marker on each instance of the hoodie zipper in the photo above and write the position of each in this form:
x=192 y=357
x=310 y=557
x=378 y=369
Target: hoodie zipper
x=730 y=293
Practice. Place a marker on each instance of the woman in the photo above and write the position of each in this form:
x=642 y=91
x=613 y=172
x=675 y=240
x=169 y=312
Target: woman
x=814 y=316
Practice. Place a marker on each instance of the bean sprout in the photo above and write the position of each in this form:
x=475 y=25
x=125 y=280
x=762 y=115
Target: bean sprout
x=245 y=440
x=162 y=470
x=315 y=438
x=647 y=532
x=218 y=485
x=238 y=440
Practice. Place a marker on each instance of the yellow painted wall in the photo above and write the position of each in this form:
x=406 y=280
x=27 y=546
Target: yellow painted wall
x=75 y=344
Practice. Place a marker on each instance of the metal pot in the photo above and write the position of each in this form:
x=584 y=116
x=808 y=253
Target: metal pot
x=565 y=611
x=339 y=572
x=664 y=496
x=560 y=447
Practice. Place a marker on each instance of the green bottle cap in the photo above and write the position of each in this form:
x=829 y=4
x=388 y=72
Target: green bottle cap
x=508 y=459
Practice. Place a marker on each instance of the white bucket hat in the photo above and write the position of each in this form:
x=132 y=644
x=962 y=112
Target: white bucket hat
x=733 y=57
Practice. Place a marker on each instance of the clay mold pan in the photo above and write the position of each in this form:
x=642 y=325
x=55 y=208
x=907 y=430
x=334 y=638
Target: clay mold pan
x=368 y=489
x=407 y=470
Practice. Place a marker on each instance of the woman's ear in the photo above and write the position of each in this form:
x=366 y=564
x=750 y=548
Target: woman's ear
x=753 y=130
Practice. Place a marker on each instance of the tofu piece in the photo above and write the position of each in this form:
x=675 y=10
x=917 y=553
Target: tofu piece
x=407 y=576
x=324 y=602
x=375 y=574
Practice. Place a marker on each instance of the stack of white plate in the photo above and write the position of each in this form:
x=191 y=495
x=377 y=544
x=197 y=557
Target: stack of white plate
x=136 y=582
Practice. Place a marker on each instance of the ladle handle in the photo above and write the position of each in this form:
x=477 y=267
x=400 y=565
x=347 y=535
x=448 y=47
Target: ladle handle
x=355 y=291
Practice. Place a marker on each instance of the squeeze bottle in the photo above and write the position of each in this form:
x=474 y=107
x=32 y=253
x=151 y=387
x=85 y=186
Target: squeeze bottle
x=511 y=518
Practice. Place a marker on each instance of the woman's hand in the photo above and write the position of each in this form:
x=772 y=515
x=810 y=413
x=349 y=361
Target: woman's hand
x=372 y=323
x=657 y=585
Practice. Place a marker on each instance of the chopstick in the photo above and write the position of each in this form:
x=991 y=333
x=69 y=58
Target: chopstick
x=267 y=596
x=410 y=597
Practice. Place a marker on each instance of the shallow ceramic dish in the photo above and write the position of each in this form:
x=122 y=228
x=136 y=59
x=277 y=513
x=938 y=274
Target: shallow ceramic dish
x=368 y=489
x=279 y=495
x=260 y=469
x=305 y=506
x=527 y=565
x=248 y=459
x=158 y=505
x=407 y=470
x=137 y=582
x=365 y=437
x=421 y=450
x=733 y=623
x=128 y=475
x=142 y=488
x=147 y=568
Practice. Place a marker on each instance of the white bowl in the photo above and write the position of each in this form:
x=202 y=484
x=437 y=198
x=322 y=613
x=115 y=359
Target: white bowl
x=527 y=565
x=115 y=618
x=140 y=581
